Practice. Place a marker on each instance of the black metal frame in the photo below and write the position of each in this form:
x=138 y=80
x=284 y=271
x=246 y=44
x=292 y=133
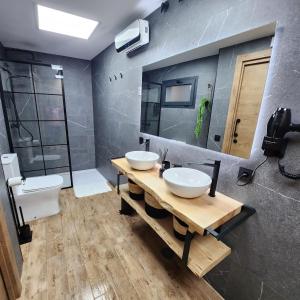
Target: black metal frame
x=193 y=81
x=227 y=227
x=126 y=209
x=41 y=146
x=218 y=233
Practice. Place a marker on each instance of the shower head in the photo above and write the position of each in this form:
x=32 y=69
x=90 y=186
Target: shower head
x=59 y=74
x=59 y=71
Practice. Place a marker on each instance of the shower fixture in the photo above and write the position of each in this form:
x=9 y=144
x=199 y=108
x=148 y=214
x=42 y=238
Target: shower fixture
x=59 y=74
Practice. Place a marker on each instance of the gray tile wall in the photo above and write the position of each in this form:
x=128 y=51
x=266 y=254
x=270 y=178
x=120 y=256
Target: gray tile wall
x=226 y=68
x=79 y=104
x=179 y=123
x=264 y=263
x=4 y=148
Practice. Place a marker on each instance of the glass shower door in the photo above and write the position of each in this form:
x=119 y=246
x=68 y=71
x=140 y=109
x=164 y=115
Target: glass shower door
x=34 y=109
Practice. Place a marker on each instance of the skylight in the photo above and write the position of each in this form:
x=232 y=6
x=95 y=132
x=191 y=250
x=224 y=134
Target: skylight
x=64 y=23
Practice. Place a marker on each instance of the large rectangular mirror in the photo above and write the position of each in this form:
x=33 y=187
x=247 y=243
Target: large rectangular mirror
x=211 y=102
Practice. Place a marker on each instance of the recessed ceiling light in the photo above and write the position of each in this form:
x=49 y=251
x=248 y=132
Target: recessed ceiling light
x=64 y=23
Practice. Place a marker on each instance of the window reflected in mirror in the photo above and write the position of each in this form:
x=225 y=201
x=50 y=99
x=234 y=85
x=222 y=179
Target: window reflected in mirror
x=179 y=92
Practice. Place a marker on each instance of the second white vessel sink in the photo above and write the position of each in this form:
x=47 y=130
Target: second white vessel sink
x=187 y=182
x=141 y=160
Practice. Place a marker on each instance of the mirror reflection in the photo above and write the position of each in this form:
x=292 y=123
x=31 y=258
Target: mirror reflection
x=211 y=102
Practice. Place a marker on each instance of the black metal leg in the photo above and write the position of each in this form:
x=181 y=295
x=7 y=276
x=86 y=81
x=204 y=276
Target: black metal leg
x=167 y=252
x=126 y=209
x=25 y=235
x=118 y=182
x=187 y=244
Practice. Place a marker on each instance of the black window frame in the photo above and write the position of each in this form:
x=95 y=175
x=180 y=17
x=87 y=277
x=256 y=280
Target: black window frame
x=193 y=81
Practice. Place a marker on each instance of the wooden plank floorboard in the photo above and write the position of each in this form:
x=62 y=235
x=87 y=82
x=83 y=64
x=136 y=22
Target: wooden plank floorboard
x=89 y=251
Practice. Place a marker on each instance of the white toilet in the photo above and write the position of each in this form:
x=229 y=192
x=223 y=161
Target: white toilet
x=37 y=196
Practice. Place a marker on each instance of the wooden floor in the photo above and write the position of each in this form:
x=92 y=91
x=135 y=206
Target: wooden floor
x=89 y=251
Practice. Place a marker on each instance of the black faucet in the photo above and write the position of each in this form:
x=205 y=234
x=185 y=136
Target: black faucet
x=216 y=165
x=146 y=142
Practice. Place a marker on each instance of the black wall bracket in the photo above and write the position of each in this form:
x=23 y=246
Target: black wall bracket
x=220 y=232
x=226 y=228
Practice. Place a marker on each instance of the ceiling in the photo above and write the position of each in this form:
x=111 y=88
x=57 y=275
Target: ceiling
x=18 y=24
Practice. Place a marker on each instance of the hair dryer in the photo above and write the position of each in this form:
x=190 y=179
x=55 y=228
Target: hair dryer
x=274 y=143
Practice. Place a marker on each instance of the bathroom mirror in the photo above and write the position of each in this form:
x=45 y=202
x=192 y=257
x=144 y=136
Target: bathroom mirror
x=211 y=102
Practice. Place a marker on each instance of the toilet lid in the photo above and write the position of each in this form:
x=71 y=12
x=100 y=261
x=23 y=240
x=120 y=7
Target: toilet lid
x=33 y=184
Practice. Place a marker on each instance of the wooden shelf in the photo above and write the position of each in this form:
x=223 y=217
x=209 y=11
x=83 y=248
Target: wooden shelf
x=199 y=213
x=205 y=252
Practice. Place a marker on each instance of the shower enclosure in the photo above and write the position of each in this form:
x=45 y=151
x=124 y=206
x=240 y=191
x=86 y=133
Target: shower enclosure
x=33 y=101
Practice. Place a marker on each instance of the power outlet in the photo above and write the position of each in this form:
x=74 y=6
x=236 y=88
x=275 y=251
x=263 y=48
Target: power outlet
x=244 y=174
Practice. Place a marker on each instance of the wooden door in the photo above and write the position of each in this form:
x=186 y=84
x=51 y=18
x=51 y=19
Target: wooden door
x=245 y=101
x=10 y=275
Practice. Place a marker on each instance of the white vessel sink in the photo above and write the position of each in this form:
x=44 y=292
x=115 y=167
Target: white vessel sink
x=186 y=182
x=141 y=160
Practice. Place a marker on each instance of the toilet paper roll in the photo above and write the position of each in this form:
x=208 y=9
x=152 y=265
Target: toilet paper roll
x=14 y=181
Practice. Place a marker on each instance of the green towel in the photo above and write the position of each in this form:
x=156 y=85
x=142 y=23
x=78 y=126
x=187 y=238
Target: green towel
x=203 y=106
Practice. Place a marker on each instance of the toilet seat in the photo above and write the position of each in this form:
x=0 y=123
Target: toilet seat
x=41 y=183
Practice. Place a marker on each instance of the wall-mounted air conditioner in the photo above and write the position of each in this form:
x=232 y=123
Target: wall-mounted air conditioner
x=133 y=37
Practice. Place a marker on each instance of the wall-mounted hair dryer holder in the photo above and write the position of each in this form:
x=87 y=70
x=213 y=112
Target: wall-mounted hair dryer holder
x=275 y=143
x=280 y=123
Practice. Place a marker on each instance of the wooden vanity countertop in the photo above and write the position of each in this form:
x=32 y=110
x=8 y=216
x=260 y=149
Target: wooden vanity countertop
x=199 y=213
